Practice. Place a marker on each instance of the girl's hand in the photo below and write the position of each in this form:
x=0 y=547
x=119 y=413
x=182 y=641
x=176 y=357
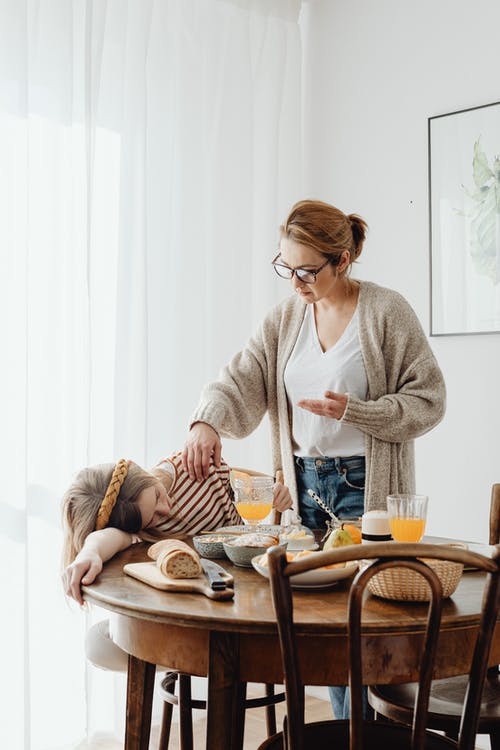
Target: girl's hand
x=282 y=499
x=202 y=445
x=333 y=406
x=83 y=570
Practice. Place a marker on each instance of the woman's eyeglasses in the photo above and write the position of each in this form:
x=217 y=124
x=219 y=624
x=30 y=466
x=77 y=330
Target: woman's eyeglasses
x=303 y=274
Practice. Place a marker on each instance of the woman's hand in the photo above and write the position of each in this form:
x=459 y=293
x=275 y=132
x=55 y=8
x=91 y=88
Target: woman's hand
x=333 y=406
x=83 y=570
x=282 y=500
x=202 y=445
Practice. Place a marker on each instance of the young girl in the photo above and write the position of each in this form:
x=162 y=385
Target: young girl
x=109 y=507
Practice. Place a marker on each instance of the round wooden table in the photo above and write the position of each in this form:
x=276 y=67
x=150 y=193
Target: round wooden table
x=236 y=641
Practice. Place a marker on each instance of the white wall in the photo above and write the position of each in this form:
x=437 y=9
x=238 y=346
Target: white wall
x=375 y=71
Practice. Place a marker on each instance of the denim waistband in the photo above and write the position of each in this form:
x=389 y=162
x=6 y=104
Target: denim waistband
x=326 y=464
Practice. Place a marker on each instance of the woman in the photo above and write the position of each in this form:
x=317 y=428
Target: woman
x=343 y=369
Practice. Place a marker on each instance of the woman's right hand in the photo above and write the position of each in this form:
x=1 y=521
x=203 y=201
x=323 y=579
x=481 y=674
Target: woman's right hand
x=202 y=445
x=83 y=570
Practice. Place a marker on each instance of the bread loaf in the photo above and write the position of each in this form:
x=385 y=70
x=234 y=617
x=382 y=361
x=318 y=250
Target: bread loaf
x=175 y=559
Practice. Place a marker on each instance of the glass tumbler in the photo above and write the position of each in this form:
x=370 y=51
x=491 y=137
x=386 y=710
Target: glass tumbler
x=407 y=516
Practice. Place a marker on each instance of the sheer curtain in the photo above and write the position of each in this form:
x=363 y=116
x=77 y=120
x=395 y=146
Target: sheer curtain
x=149 y=150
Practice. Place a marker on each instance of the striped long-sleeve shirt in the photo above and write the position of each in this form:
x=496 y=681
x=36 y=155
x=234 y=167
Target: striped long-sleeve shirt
x=198 y=506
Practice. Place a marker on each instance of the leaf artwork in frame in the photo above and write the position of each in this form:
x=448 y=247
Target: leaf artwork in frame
x=484 y=214
x=464 y=203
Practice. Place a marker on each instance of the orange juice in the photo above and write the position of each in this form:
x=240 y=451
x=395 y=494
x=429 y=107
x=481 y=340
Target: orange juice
x=407 y=529
x=253 y=511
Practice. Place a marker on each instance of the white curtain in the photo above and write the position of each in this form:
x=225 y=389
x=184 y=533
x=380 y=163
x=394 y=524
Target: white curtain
x=148 y=151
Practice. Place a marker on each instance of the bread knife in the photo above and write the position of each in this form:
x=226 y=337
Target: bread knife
x=218 y=578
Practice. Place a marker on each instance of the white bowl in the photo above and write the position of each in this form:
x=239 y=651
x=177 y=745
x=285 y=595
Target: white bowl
x=242 y=556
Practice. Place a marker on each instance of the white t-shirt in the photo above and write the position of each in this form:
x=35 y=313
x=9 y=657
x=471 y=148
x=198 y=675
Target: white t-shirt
x=309 y=373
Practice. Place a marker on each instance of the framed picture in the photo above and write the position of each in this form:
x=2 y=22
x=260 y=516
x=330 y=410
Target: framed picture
x=464 y=211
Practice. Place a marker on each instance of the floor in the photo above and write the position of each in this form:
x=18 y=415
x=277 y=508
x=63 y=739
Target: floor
x=255 y=726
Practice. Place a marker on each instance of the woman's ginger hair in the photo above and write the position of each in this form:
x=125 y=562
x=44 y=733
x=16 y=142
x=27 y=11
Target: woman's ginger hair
x=82 y=500
x=326 y=229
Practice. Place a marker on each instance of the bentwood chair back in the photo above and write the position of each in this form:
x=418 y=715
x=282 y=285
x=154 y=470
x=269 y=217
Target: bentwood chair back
x=357 y=733
x=396 y=702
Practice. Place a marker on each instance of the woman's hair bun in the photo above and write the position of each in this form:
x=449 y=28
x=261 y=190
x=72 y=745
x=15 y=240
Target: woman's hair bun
x=326 y=229
x=359 y=229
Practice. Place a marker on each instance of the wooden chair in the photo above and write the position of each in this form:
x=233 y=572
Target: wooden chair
x=187 y=703
x=359 y=734
x=396 y=702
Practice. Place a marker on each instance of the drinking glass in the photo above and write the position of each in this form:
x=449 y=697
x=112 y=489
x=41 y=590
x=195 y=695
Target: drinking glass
x=407 y=516
x=253 y=498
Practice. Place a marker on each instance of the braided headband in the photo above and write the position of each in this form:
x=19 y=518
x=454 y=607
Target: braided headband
x=117 y=479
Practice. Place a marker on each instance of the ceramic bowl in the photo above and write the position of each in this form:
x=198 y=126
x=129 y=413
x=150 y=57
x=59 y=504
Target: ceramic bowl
x=242 y=556
x=211 y=545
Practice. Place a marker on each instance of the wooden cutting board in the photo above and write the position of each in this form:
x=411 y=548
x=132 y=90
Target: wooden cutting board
x=149 y=573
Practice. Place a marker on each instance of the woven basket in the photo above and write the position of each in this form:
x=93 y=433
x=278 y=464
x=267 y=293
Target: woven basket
x=405 y=585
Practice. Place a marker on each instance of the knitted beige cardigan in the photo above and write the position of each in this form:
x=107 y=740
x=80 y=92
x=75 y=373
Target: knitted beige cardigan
x=406 y=391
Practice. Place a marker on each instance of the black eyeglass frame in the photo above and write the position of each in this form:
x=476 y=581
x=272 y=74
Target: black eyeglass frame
x=299 y=272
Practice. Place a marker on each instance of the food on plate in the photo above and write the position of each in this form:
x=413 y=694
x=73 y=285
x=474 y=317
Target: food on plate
x=253 y=540
x=338 y=538
x=175 y=559
x=306 y=552
x=290 y=557
x=354 y=532
x=263 y=562
x=346 y=534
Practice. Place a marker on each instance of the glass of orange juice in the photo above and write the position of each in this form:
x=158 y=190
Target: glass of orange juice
x=407 y=516
x=253 y=497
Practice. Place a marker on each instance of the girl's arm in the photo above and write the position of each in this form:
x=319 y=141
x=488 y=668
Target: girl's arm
x=98 y=547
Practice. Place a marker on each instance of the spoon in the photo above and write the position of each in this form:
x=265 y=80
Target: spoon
x=323 y=506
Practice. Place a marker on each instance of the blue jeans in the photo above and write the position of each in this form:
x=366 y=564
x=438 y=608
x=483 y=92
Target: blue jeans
x=339 y=482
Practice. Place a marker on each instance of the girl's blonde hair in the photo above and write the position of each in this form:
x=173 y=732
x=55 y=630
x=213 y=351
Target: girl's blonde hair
x=325 y=229
x=82 y=500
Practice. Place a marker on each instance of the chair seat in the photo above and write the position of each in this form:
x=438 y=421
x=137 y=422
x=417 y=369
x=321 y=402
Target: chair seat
x=445 y=705
x=378 y=735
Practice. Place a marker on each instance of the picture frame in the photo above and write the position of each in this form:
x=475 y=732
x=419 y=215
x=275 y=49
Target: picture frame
x=464 y=221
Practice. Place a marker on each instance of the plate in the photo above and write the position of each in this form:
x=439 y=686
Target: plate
x=311 y=579
x=261 y=528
